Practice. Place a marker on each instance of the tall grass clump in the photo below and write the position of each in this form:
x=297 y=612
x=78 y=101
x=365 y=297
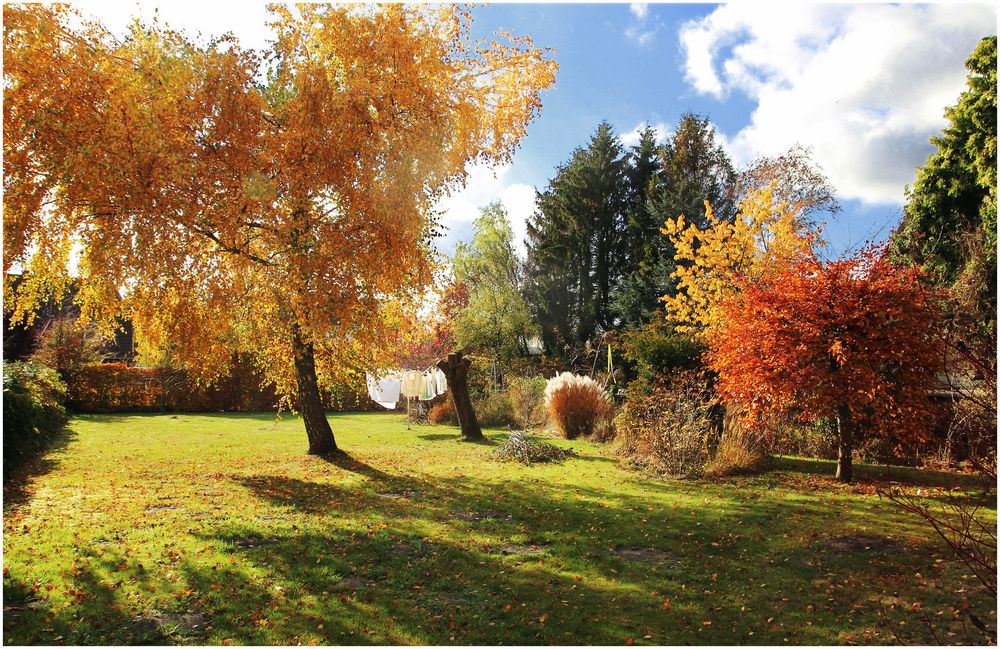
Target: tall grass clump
x=577 y=405
x=742 y=449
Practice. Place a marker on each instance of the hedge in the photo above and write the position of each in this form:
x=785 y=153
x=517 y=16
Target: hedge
x=33 y=411
x=117 y=387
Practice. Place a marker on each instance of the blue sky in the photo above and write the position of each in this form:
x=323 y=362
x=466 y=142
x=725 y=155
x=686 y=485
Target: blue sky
x=865 y=85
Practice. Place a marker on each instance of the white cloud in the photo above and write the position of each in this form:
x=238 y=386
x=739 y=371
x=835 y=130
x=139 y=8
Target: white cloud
x=631 y=138
x=519 y=201
x=640 y=31
x=247 y=20
x=639 y=36
x=639 y=9
x=864 y=85
x=485 y=185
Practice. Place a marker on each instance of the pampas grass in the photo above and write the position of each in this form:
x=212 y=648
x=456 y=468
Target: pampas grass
x=577 y=405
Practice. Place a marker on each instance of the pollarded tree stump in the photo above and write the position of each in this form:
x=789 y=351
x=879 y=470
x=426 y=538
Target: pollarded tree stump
x=456 y=372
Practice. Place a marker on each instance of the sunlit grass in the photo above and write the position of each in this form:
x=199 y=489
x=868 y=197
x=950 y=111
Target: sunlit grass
x=220 y=529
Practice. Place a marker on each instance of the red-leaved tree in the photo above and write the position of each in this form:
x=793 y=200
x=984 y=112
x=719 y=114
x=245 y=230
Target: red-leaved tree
x=853 y=340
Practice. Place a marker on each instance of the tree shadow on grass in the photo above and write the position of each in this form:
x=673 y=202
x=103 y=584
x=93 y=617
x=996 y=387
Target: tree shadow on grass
x=433 y=437
x=451 y=571
x=17 y=486
x=396 y=587
x=344 y=570
x=94 y=613
x=348 y=462
x=298 y=494
x=599 y=565
x=910 y=476
x=487 y=440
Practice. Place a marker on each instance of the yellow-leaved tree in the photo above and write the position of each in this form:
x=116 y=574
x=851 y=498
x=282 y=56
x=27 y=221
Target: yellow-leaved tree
x=765 y=233
x=276 y=203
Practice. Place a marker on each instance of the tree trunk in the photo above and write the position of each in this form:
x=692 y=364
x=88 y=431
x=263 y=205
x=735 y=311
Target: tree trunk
x=845 y=444
x=456 y=371
x=317 y=427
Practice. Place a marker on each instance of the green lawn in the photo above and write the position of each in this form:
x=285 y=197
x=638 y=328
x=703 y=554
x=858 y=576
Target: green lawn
x=220 y=529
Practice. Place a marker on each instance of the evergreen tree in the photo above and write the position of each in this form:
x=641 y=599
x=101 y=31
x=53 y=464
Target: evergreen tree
x=575 y=243
x=696 y=168
x=596 y=258
x=688 y=169
x=647 y=258
x=950 y=221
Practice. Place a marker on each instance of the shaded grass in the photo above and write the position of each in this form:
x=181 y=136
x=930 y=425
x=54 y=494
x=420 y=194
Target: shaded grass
x=415 y=538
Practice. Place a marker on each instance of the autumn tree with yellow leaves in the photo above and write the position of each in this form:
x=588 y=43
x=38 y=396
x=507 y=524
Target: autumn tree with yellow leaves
x=275 y=203
x=765 y=233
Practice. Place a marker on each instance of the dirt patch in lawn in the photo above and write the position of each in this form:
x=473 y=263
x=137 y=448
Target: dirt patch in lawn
x=522 y=549
x=249 y=542
x=475 y=517
x=450 y=599
x=156 y=623
x=397 y=494
x=353 y=583
x=850 y=543
x=639 y=555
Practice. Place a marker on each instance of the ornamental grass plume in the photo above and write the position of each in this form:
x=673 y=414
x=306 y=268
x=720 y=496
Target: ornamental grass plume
x=577 y=405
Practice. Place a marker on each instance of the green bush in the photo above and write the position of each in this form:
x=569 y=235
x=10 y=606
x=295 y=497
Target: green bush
x=813 y=439
x=527 y=399
x=33 y=411
x=494 y=410
x=658 y=349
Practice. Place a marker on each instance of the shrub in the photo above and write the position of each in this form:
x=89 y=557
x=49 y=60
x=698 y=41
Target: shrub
x=116 y=387
x=33 y=411
x=66 y=345
x=576 y=404
x=658 y=349
x=519 y=447
x=494 y=410
x=668 y=424
x=527 y=399
x=443 y=412
x=810 y=439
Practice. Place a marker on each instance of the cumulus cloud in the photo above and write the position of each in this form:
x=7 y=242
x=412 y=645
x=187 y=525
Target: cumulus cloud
x=864 y=85
x=484 y=186
x=639 y=9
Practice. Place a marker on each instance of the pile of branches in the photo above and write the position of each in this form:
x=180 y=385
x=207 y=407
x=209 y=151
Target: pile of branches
x=519 y=447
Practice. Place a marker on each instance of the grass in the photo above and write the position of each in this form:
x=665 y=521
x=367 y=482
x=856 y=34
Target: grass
x=219 y=529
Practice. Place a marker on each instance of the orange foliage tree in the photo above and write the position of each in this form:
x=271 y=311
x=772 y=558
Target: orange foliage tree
x=276 y=203
x=853 y=340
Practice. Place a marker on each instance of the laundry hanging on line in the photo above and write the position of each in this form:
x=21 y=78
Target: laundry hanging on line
x=406 y=384
x=384 y=391
x=413 y=382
